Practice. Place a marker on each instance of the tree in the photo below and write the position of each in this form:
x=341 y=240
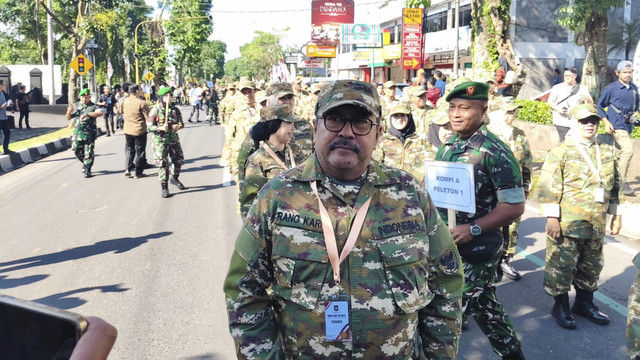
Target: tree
x=490 y=35
x=258 y=57
x=211 y=62
x=588 y=19
x=624 y=36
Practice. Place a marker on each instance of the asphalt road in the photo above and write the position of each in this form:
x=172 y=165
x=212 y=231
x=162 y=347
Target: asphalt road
x=111 y=246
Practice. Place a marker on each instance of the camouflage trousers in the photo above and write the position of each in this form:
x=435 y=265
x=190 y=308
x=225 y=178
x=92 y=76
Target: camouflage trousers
x=479 y=300
x=168 y=158
x=511 y=234
x=572 y=261
x=84 y=150
x=633 y=320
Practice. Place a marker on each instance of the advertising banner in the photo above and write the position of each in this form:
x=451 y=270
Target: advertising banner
x=326 y=18
x=321 y=51
x=311 y=63
x=412 y=38
x=360 y=34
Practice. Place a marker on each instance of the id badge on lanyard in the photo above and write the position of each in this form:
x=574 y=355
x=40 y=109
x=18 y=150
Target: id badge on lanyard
x=337 y=315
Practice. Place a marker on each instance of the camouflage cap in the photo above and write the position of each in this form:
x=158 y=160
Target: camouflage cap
x=164 y=91
x=261 y=96
x=84 y=92
x=274 y=112
x=439 y=117
x=280 y=89
x=315 y=88
x=232 y=85
x=400 y=108
x=298 y=80
x=471 y=90
x=348 y=92
x=417 y=91
x=491 y=79
x=389 y=84
x=246 y=84
x=583 y=111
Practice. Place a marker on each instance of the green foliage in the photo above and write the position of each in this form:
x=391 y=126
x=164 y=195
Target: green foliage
x=624 y=36
x=418 y=3
x=636 y=132
x=575 y=14
x=534 y=111
x=257 y=57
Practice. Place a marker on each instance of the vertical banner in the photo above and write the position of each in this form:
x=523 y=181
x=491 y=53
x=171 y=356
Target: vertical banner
x=109 y=69
x=127 y=68
x=326 y=18
x=411 y=38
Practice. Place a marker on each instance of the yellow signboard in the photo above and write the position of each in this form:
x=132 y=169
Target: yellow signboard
x=324 y=51
x=81 y=64
x=412 y=16
x=391 y=52
x=148 y=76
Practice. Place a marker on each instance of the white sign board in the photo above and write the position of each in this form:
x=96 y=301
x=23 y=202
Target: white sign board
x=360 y=34
x=311 y=63
x=451 y=185
x=445 y=40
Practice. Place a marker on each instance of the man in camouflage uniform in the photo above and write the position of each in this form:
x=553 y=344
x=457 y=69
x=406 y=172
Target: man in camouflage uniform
x=212 y=106
x=402 y=279
x=309 y=112
x=633 y=318
x=516 y=140
x=83 y=115
x=420 y=110
x=499 y=201
x=229 y=102
x=387 y=101
x=299 y=95
x=579 y=184
x=167 y=151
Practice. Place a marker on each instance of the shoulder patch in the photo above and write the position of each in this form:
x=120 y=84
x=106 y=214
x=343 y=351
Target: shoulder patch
x=448 y=262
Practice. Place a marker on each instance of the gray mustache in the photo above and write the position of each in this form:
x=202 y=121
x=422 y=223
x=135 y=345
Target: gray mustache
x=344 y=143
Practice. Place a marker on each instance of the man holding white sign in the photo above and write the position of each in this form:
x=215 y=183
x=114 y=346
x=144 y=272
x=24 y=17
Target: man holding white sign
x=499 y=199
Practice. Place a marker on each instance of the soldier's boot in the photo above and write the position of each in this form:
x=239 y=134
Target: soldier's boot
x=176 y=182
x=518 y=355
x=498 y=275
x=87 y=171
x=508 y=270
x=562 y=313
x=584 y=306
x=165 y=189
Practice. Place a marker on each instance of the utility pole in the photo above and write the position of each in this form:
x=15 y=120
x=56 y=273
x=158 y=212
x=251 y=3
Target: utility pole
x=456 y=50
x=52 y=96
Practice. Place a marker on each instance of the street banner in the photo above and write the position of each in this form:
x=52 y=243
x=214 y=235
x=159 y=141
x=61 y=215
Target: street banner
x=392 y=52
x=311 y=63
x=321 y=51
x=109 y=69
x=291 y=57
x=127 y=67
x=326 y=18
x=412 y=38
x=360 y=34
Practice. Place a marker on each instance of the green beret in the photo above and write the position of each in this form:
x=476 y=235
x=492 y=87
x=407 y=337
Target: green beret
x=164 y=91
x=84 y=92
x=470 y=90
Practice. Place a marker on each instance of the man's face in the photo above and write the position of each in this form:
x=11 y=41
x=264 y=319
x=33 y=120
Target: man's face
x=466 y=116
x=588 y=127
x=288 y=99
x=570 y=78
x=420 y=101
x=297 y=87
x=249 y=96
x=22 y=90
x=107 y=90
x=2 y=87
x=625 y=75
x=345 y=155
x=390 y=92
x=85 y=99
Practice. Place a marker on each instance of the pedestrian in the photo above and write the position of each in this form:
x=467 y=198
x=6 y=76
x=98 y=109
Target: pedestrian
x=273 y=155
x=387 y=101
x=212 y=107
x=397 y=294
x=4 y=120
x=633 y=317
x=579 y=184
x=106 y=101
x=439 y=130
x=621 y=99
x=177 y=95
x=517 y=142
x=565 y=96
x=557 y=78
x=433 y=93
x=499 y=199
x=194 y=100
x=299 y=96
x=23 y=100
x=440 y=83
x=136 y=113
x=400 y=147
x=164 y=122
x=83 y=115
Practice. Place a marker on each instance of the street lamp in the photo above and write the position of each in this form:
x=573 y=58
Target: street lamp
x=137 y=56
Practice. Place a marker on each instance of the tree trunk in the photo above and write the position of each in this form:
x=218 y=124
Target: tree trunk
x=36 y=18
x=594 y=71
x=78 y=48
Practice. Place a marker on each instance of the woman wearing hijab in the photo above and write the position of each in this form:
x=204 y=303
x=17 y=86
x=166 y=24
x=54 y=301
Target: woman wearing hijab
x=400 y=146
x=272 y=136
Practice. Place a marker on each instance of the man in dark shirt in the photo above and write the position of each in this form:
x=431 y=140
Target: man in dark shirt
x=106 y=102
x=621 y=100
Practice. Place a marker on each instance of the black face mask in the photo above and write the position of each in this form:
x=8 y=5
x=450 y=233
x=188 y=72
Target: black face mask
x=403 y=134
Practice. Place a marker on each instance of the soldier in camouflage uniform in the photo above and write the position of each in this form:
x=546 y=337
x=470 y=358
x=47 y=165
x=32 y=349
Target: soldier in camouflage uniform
x=398 y=295
x=579 y=184
x=83 y=115
x=300 y=97
x=212 y=106
x=400 y=146
x=420 y=110
x=309 y=112
x=499 y=201
x=229 y=103
x=633 y=318
x=273 y=156
x=516 y=139
x=387 y=101
x=167 y=151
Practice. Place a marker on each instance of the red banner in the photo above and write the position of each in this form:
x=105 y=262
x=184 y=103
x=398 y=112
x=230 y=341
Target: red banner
x=326 y=18
x=412 y=39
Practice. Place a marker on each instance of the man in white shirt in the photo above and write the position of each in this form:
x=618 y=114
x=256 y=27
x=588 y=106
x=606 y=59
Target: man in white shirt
x=194 y=98
x=563 y=97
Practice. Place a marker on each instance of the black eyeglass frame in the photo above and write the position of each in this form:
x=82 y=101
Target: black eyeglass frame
x=350 y=121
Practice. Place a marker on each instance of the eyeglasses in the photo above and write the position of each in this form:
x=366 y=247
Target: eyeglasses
x=360 y=127
x=591 y=121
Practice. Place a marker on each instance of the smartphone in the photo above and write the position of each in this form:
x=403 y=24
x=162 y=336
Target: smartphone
x=30 y=330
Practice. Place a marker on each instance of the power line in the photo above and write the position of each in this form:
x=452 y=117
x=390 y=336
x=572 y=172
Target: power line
x=244 y=11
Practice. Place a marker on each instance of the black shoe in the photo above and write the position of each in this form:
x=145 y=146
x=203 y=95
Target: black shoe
x=190 y=121
x=87 y=172
x=176 y=182
x=165 y=190
x=9 y=152
x=561 y=312
x=108 y=133
x=518 y=355
x=127 y=173
x=584 y=306
x=147 y=166
x=508 y=270
x=498 y=276
x=138 y=176
x=198 y=121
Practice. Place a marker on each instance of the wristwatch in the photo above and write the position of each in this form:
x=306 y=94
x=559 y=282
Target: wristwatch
x=475 y=229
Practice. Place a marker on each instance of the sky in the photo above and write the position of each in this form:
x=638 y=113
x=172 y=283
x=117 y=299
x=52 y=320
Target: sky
x=236 y=21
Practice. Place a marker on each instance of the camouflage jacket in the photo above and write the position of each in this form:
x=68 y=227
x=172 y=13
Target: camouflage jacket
x=86 y=126
x=260 y=168
x=156 y=120
x=302 y=142
x=567 y=185
x=516 y=140
x=238 y=126
x=409 y=156
x=422 y=121
x=496 y=172
x=403 y=275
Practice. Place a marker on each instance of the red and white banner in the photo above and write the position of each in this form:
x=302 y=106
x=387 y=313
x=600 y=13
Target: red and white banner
x=412 y=38
x=326 y=18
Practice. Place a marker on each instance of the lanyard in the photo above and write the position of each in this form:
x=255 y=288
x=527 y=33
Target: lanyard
x=587 y=158
x=330 y=236
x=277 y=158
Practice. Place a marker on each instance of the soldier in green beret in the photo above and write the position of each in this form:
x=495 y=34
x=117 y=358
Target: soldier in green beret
x=164 y=122
x=394 y=292
x=579 y=185
x=499 y=201
x=273 y=155
x=83 y=116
